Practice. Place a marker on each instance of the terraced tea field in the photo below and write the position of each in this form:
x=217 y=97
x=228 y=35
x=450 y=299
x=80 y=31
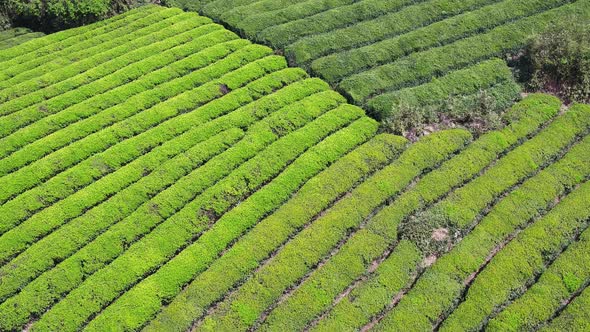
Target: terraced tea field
x=159 y=173
x=386 y=53
x=13 y=37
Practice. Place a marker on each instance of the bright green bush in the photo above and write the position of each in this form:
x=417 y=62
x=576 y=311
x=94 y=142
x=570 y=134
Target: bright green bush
x=113 y=242
x=231 y=73
x=68 y=38
x=524 y=258
x=159 y=290
x=311 y=199
x=160 y=173
x=574 y=317
x=11 y=33
x=337 y=66
x=293 y=128
x=97 y=112
x=102 y=47
x=242 y=308
x=560 y=59
x=463 y=207
x=100 y=165
x=153 y=180
x=435 y=293
x=61 y=211
x=128 y=86
x=373 y=295
x=567 y=275
x=145 y=31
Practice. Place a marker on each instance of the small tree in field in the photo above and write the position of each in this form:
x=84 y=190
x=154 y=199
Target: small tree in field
x=559 y=60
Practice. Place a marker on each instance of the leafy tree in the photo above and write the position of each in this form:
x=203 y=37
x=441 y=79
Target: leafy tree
x=53 y=15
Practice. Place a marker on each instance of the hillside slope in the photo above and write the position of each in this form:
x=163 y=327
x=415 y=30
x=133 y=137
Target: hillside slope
x=16 y=36
x=160 y=173
x=387 y=54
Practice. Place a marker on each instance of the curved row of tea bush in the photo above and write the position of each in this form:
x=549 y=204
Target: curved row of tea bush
x=14 y=32
x=368 y=298
x=55 y=41
x=491 y=75
x=304 y=312
x=172 y=136
x=179 y=46
x=371 y=49
x=173 y=198
x=16 y=36
x=527 y=118
x=337 y=66
x=574 y=317
x=158 y=290
x=131 y=129
x=535 y=248
x=566 y=276
x=19 y=67
x=436 y=291
x=242 y=309
x=422 y=66
x=135 y=126
x=532 y=161
x=384 y=227
x=93 y=114
x=196 y=217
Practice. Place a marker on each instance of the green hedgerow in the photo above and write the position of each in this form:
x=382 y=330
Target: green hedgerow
x=53 y=15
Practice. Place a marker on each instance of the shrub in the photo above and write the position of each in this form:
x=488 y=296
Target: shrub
x=479 y=111
x=557 y=285
x=559 y=60
x=53 y=15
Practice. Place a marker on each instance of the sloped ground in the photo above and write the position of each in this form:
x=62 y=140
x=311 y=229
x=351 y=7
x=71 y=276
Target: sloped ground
x=160 y=173
x=16 y=36
x=384 y=54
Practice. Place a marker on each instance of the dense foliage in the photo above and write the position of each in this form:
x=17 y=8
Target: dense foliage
x=373 y=51
x=455 y=100
x=54 y=15
x=560 y=60
x=13 y=37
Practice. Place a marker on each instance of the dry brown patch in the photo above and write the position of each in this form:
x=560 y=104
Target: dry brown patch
x=440 y=234
x=428 y=261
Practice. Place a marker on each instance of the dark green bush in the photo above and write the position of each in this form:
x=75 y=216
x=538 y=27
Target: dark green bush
x=559 y=60
x=53 y=15
x=431 y=231
x=4 y=21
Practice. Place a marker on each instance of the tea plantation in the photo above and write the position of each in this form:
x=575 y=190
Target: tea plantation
x=160 y=173
x=385 y=53
x=13 y=37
